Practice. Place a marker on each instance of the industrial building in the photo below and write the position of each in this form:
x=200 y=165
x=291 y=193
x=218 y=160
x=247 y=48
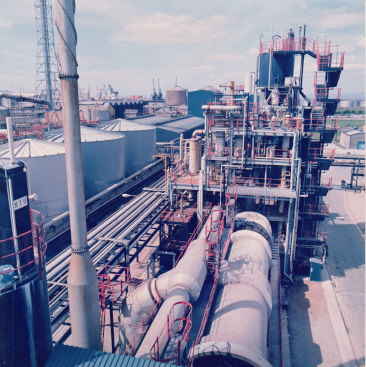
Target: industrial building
x=238 y=207
x=196 y=99
x=352 y=139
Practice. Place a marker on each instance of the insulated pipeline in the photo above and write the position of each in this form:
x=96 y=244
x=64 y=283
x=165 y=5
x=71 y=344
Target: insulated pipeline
x=237 y=329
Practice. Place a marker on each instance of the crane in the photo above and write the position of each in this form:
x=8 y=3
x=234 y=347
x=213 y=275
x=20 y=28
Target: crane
x=160 y=95
x=154 y=91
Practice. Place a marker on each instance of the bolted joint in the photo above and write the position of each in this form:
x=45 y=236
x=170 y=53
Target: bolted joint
x=80 y=250
x=66 y=76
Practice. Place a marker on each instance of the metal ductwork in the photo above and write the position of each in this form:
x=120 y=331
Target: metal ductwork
x=22 y=98
x=181 y=284
x=238 y=323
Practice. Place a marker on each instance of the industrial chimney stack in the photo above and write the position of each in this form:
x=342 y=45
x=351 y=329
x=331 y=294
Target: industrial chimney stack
x=82 y=278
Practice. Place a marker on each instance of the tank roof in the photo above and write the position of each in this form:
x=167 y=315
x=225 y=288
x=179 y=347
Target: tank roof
x=32 y=148
x=125 y=125
x=177 y=88
x=88 y=135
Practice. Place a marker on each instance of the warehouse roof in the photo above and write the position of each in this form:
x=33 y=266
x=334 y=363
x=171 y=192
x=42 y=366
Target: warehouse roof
x=67 y=356
x=152 y=120
x=32 y=148
x=353 y=132
x=186 y=123
x=88 y=135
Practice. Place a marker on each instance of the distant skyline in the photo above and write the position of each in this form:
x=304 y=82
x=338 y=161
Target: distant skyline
x=201 y=43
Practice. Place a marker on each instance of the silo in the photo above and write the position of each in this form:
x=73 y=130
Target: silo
x=176 y=96
x=103 y=157
x=140 y=143
x=47 y=173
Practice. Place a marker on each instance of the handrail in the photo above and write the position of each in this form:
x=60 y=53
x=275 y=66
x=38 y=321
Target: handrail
x=185 y=321
x=36 y=236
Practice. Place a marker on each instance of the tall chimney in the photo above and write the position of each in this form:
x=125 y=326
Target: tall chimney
x=82 y=278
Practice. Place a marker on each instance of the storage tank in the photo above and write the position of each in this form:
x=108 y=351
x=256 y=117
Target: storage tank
x=140 y=143
x=176 y=96
x=103 y=157
x=47 y=173
x=25 y=328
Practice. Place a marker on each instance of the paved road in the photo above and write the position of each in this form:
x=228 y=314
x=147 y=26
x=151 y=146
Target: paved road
x=346 y=258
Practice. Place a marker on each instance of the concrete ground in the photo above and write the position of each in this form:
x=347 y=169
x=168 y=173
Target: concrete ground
x=326 y=320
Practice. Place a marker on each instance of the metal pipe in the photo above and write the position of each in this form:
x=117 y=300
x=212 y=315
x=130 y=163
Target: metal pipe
x=20 y=98
x=9 y=129
x=82 y=278
x=198 y=132
x=189 y=274
x=222 y=108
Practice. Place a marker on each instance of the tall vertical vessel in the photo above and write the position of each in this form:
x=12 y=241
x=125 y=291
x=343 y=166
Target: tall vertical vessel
x=25 y=329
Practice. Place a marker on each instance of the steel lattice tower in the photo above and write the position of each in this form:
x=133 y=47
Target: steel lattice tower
x=47 y=66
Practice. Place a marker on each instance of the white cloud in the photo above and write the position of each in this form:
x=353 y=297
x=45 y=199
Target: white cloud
x=361 y=42
x=339 y=18
x=167 y=29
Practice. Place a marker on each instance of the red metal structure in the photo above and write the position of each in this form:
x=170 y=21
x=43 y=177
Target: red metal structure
x=176 y=328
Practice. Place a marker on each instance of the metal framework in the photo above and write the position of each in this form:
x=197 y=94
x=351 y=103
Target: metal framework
x=264 y=148
x=47 y=71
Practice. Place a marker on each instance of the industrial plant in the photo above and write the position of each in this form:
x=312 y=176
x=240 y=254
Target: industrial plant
x=174 y=221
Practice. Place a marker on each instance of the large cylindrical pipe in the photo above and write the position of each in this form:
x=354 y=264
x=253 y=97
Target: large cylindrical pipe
x=176 y=295
x=82 y=278
x=237 y=330
x=189 y=274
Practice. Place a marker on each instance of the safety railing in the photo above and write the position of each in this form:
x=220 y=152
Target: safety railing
x=113 y=281
x=330 y=60
x=271 y=153
x=141 y=328
x=320 y=79
x=327 y=184
x=327 y=94
x=211 y=298
x=320 y=124
x=169 y=215
x=197 y=230
x=213 y=232
x=175 y=327
x=22 y=255
x=315 y=209
x=313 y=154
x=219 y=121
x=308 y=236
x=287 y=44
x=262 y=182
x=291 y=124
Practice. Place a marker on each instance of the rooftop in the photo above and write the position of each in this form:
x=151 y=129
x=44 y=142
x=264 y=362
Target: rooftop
x=32 y=148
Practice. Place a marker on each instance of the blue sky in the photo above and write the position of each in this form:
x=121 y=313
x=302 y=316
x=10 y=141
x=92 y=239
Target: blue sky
x=200 y=42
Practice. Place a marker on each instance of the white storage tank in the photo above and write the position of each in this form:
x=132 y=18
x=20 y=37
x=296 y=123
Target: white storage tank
x=140 y=143
x=176 y=96
x=103 y=157
x=47 y=173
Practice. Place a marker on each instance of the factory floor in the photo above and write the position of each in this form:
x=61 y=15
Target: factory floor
x=325 y=320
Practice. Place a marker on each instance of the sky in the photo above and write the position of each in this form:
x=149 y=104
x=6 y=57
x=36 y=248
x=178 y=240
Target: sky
x=127 y=43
